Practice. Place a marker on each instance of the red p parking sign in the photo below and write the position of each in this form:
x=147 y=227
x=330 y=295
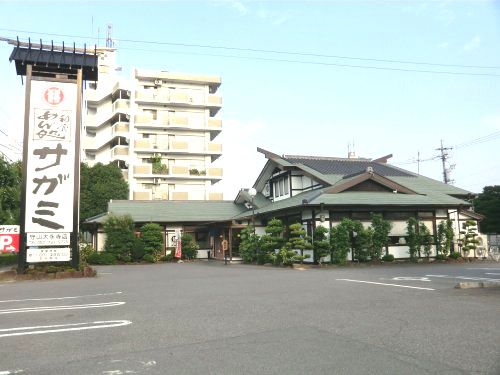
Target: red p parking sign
x=9 y=238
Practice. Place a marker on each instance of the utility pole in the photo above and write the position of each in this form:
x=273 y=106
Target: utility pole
x=109 y=39
x=444 y=158
x=418 y=162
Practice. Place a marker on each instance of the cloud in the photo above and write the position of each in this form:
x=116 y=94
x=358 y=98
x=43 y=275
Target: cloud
x=443 y=45
x=472 y=44
x=239 y=7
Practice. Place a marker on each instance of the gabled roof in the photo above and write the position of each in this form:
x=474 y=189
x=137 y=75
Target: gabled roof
x=345 y=167
x=369 y=176
x=338 y=176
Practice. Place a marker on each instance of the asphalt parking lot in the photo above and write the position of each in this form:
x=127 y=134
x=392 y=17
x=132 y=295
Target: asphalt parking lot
x=202 y=317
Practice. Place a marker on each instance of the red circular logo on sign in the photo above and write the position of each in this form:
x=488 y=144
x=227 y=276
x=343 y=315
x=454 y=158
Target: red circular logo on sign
x=53 y=95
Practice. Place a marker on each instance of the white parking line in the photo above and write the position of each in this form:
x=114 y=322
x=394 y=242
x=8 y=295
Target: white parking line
x=57 y=308
x=396 y=285
x=37 y=330
x=59 y=298
x=492 y=273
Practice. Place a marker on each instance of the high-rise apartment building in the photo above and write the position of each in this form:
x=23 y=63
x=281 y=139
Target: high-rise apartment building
x=159 y=127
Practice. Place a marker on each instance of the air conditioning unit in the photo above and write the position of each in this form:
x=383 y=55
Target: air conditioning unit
x=158 y=82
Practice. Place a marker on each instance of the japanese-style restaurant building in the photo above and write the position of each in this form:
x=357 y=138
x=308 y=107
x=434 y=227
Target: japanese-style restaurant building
x=314 y=191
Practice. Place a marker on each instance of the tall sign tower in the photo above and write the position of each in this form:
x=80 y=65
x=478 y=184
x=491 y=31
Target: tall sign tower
x=51 y=149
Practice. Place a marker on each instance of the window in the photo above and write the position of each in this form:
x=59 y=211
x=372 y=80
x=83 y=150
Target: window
x=281 y=187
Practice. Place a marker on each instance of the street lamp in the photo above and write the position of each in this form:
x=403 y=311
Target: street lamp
x=252 y=192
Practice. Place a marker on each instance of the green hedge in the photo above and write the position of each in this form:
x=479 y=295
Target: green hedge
x=101 y=258
x=8 y=259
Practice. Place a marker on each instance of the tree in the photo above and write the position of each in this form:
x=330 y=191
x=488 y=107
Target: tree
x=488 y=204
x=381 y=230
x=152 y=238
x=425 y=239
x=469 y=241
x=321 y=244
x=413 y=239
x=297 y=239
x=10 y=191
x=444 y=237
x=98 y=185
x=340 y=241
x=120 y=237
x=271 y=241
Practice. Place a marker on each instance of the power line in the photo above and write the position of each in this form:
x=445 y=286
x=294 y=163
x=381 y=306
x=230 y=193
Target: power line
x=485 y=138
x=371 y=67
x=256 y=50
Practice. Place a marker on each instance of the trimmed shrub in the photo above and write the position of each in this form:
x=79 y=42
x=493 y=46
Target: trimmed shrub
x=167 y=258
x=271 y=241
x=149 y=258
x=8 y=259
x=189 y=246
x=138 y=250
x=321 y=244
x=120 y=236
x=340 y=241
x=441 y=257
x=101 y=258
x=388 y=258
x=86 y=250
x=249 y=245
x=455 y=255
x=381 y=230
x=152 y=237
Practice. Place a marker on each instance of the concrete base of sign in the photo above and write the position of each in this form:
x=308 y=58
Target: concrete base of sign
x=12 y=275
x=480 y=284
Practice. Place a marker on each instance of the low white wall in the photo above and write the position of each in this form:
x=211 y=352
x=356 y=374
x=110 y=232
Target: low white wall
x=203 y=254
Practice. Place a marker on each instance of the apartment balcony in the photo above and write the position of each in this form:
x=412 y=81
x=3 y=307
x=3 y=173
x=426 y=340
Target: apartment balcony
x=215 y=172
x=147 y=121
x=180 y=196
x=105 y=136
x=142 y=195
x=214 y=104
x=178 y=172
x=215 y=127
x=104 y=91
x=121 y=104
x=147 y=145
x=179 y=98
x=119 y=152
x=146 y=169
x=118 y=114
x=215 y=196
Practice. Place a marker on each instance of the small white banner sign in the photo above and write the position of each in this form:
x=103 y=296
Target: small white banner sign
x=9 y=229
x=55 y=254
x=47 y=239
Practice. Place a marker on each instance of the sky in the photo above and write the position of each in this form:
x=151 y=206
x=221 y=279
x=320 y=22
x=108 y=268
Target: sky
x=303 y=77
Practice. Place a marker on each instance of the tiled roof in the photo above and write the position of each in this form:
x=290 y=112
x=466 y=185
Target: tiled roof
x=346 y=167
x=174 y=211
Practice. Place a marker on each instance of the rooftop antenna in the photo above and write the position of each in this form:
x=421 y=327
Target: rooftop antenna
x=351 y=153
